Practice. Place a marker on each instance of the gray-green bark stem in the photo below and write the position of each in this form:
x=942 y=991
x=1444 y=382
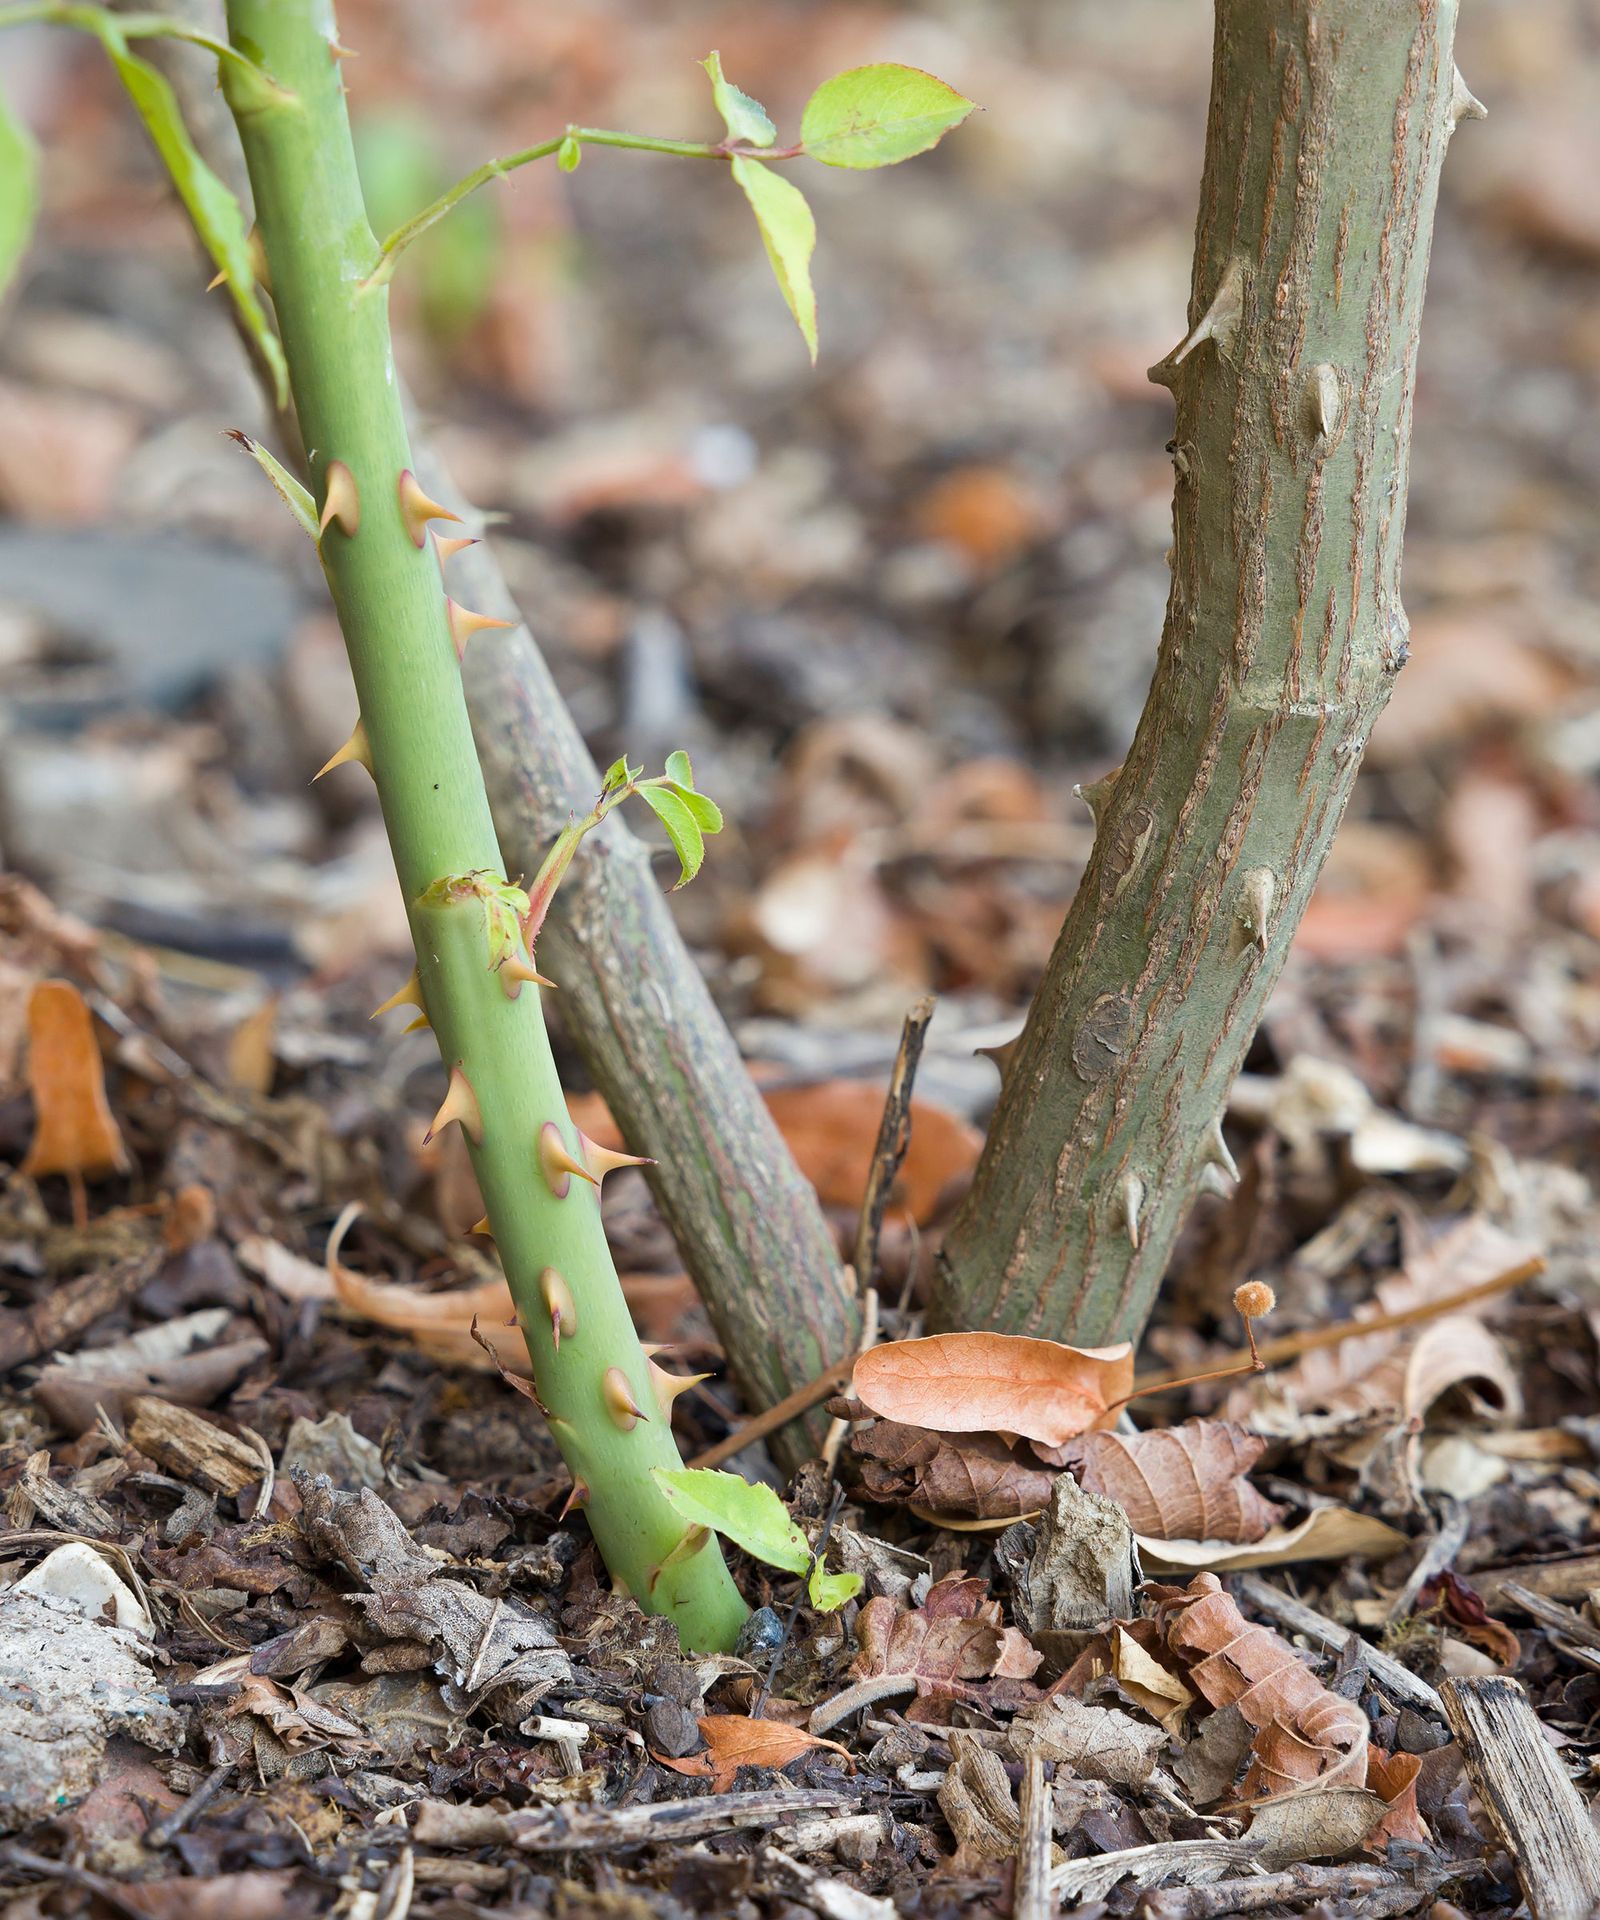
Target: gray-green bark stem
x=1284 y=630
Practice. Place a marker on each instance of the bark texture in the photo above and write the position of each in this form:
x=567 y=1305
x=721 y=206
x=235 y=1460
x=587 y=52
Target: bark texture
x=1284 y=630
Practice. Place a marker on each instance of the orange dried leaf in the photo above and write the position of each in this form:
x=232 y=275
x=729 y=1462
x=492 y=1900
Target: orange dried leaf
x=471 y=1327
x=74 y=1132
x=995 y=1383
x=734 y=1740
x=1305 y=1732
x=949 y=1645
x=1179 y=1483
x=1393 y=1777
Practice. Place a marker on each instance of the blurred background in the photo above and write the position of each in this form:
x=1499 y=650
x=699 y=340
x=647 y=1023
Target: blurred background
x=895 y=607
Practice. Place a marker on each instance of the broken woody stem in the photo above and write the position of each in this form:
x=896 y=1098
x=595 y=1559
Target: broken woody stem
x=1284 y=631
x=608 y=1405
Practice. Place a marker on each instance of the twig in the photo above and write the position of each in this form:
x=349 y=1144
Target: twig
x=1399 y=1682
x=164 y=1832
x=1273 y=1352
x=1447 y=1541
x=837 y=1429
x=1033 y=1899
x=894 y=1136
x=1290 y=1346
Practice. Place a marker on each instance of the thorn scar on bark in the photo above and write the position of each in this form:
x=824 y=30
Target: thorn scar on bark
x=1219 y=322
x=1255 y=905
x=1464 y=103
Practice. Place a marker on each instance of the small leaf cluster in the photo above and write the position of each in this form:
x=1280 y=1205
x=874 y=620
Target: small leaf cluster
x=754 y=1518
x=687 y=814
x=874 y=116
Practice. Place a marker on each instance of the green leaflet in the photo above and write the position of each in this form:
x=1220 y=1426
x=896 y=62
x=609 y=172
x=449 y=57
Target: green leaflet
x=790 y=235
x=683 y=829
x=290 y=491
x=877 y=116
x=216 y=214
x=19 y=191
x=753 y=1517
x=745 y=119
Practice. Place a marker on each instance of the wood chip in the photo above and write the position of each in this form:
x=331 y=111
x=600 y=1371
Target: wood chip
x=1537 y=1811
x=192 y=1448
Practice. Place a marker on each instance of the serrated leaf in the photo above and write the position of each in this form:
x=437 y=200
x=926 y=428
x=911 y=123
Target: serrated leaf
x=751 y=1516
x=683 y=830
x=679 y=770
x=745 y=119
x=828 y=1591
x=790 y=235
x=877 y=116
x=707 y=814
x=290 y=491
x=19 y=191
x=216 y=214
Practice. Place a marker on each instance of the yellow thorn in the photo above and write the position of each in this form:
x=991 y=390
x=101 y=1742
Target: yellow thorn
x=459 y=1103
x=464 y=623
x=448 y=545
x=558 y=1300
x=482 y=1226
x=257 y=253
x=416 y=509
x=618 y=1396
x=336 y=52
x=354 y=752
x=409 y=994
x=216 y=281
x=557 y=1164
x=417 y=1025
x=515 y=971
x=669 y=1385
x=343 y=501
x=604 y=1161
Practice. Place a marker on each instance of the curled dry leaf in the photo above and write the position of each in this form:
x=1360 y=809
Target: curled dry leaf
x=1393 y=1777
x=1326 y=1533
x=1179 y=1483
x=1305 y=1733
x=951 y=1646
x=74 y=1132
x=950 y=1477
x=735 y=1740
x=995 y=1383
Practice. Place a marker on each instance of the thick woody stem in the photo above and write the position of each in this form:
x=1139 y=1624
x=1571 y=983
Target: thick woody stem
x=384 y=573
x=1284 y=630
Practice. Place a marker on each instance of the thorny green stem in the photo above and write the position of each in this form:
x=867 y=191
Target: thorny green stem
x=609 y=1408
x=419 y=223
x=130 y=26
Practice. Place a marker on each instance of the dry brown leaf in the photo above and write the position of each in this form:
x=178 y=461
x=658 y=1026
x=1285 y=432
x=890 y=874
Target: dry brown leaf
x=1097 y=1743
x=734 y=1740
x=950 y=1645
x=949 y=1477
x=995 y=1383
x=1393 y=1777
x=1317 y=1824
x=1305 y=1733
x=74 y=1132
x=1326 y=1533
x=1179 y=1483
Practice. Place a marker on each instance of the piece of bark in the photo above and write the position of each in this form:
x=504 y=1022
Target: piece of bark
x=191 y=1448
x=1283 y=633
x=580 y=1829
x=71 y=1309
x=1080 y=1572
x=1378 y=1890
x=1034 y=1899
x=1539 y=1814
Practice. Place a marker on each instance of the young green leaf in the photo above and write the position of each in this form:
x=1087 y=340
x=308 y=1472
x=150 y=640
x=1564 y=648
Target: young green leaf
x=568 y=154
x=790 y=235
x=290 y=491
x=745 y=119
x=216 y=214
x=680 y=770
x=19 y=191
x=683 y=830
x=751 y=1516
x=707 y=814
x=827 y=1591
x=876 y=116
